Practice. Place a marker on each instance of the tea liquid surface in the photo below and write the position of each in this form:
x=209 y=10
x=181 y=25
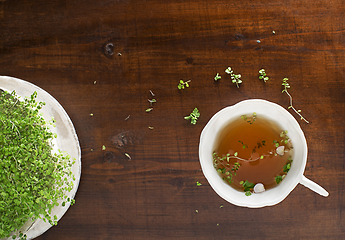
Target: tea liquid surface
x=254 y=143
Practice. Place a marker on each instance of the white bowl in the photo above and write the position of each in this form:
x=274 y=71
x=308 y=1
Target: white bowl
x=287 y=122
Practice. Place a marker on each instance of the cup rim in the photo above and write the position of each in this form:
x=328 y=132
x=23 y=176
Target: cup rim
x=209 y=173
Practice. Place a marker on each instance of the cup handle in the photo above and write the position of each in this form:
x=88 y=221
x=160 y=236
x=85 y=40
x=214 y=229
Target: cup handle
x=313 y=186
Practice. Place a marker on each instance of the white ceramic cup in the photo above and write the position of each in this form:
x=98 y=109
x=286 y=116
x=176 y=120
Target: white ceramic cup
x=287 y=122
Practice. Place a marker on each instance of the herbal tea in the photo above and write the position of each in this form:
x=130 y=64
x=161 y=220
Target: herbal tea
x=252 y=154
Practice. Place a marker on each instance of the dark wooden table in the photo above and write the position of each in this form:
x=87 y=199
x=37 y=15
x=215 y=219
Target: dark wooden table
x=103 y=57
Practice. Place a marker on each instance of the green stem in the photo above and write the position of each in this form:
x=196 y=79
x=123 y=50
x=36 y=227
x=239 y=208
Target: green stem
x=294 y=108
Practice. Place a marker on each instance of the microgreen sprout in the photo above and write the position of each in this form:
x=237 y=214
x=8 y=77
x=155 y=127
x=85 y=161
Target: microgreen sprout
x=235 y=167
x=247 y=187
x=218 y=159
x=150 y=127
x=193 y=116
x=278 y=179
x=235 y=78
x=287 y=166
x=217 y=77
x=151 y=101
x=32 y=178
x=243 y=144
x=262 y=143
x=276 y=143
x=286 y=86
x=284 y=136
x=182 y=84
x=250 y=121
x=103 y=147
x=263 y=75
x=149 y=109
x=286 y=169
x=225 y=168
x=198 y=184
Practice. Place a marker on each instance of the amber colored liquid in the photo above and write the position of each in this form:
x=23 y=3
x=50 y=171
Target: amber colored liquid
x=258 y=140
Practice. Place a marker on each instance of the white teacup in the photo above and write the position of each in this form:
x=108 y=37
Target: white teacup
x=287 y=122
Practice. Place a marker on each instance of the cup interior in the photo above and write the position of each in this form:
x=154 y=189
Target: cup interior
x=270 y=111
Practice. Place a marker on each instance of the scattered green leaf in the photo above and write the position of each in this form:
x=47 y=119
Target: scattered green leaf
x=263 y=75
x=194 y=115
x=235 y=78
x=217 y=77
x=151 y=101
x=182 y=84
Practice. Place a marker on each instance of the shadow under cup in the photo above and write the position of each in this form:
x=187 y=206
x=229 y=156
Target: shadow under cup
x=270 y=111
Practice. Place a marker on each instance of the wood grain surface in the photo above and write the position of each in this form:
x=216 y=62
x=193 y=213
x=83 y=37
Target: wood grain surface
x=104 y=56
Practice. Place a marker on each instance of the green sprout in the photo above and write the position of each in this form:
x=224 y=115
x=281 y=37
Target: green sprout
x=276 y=143
x=287 y=166
x=151 y=101
x=182 y=84
x=235 y=167
x=263 y=75
x=217 y=77
x=247 y=187
x=244 y=117
x=243 y=144
x=278 y=179
x=223 y=166
x=235 y=78
x=198 y=184
x=286 y=86
x=33 y=179
x=193 y=116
